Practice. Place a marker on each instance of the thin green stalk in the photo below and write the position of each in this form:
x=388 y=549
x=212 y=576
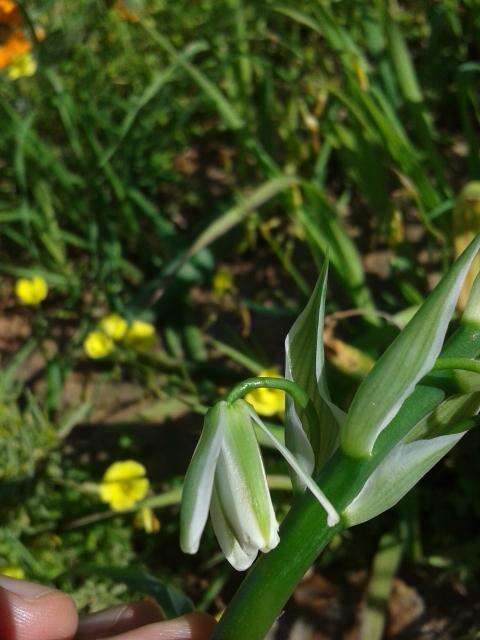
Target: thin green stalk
x=305 y=533
x=464 y=364
x=299 y=396
x=250 y=384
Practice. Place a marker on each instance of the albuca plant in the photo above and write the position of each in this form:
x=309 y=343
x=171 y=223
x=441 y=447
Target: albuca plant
x=411 y=409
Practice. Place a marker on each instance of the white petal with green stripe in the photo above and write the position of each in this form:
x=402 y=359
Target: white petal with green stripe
x=239 y=557
x=452 y=414
x=241 y=483
x=198 y=484
x=411 y=355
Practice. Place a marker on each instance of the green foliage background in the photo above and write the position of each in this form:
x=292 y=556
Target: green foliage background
x=159 y=142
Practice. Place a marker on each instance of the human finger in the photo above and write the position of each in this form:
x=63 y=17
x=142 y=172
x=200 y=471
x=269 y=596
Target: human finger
x=193 y=626
x=30 y=611
x=118 y=619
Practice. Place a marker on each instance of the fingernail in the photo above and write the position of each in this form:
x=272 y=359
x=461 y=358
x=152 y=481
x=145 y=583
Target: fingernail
x=24 y=589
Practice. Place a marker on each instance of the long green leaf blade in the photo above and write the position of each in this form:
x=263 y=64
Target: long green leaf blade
x=405 y=465
x=404 y=363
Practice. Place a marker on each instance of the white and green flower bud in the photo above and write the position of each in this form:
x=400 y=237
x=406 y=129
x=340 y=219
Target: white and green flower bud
x=242 y=509
x=227 y=475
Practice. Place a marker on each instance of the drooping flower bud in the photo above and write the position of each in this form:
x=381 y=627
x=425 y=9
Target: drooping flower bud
x=227 y=473
x=227 y=477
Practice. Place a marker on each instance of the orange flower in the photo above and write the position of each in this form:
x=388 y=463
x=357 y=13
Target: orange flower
x=13 y=42
x=9 y=13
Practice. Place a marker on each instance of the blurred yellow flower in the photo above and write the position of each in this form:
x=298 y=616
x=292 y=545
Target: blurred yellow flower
x=31 y=291
x=13 y=572
x=124 y=484
x=222 y=281
x=140 y=335
x=22 y=66
x=97 y=344
x=267 y=402
x=114 y=326
x=146 y=519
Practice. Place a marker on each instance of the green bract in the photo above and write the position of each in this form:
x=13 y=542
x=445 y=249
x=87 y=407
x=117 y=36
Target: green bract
x=312 y=445
x=410 y=356
x=410 y=460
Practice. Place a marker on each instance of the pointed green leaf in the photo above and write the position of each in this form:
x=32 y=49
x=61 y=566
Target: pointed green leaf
x=305 y=364
x=404 y=363
x=404 y=466
x=198 y=485
x=454 y=411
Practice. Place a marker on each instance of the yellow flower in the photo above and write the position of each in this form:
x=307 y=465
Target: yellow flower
x=13 y=572
x=114 y=326
x=31 y=291
x=22 y=66
x=145 y=519
x=140 y=335
x=267 y=402
x=222 y=282
x=98 y=345
x=124 y=484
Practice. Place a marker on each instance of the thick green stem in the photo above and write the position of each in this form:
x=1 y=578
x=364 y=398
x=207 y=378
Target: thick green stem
x=305 y=533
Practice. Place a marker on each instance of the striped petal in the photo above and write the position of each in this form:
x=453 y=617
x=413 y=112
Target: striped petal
x=405 y=465
x=241 y=483
x=239 y=557
x=198 y=485
x=305 y=365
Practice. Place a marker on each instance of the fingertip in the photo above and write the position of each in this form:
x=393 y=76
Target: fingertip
x=29 y=611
